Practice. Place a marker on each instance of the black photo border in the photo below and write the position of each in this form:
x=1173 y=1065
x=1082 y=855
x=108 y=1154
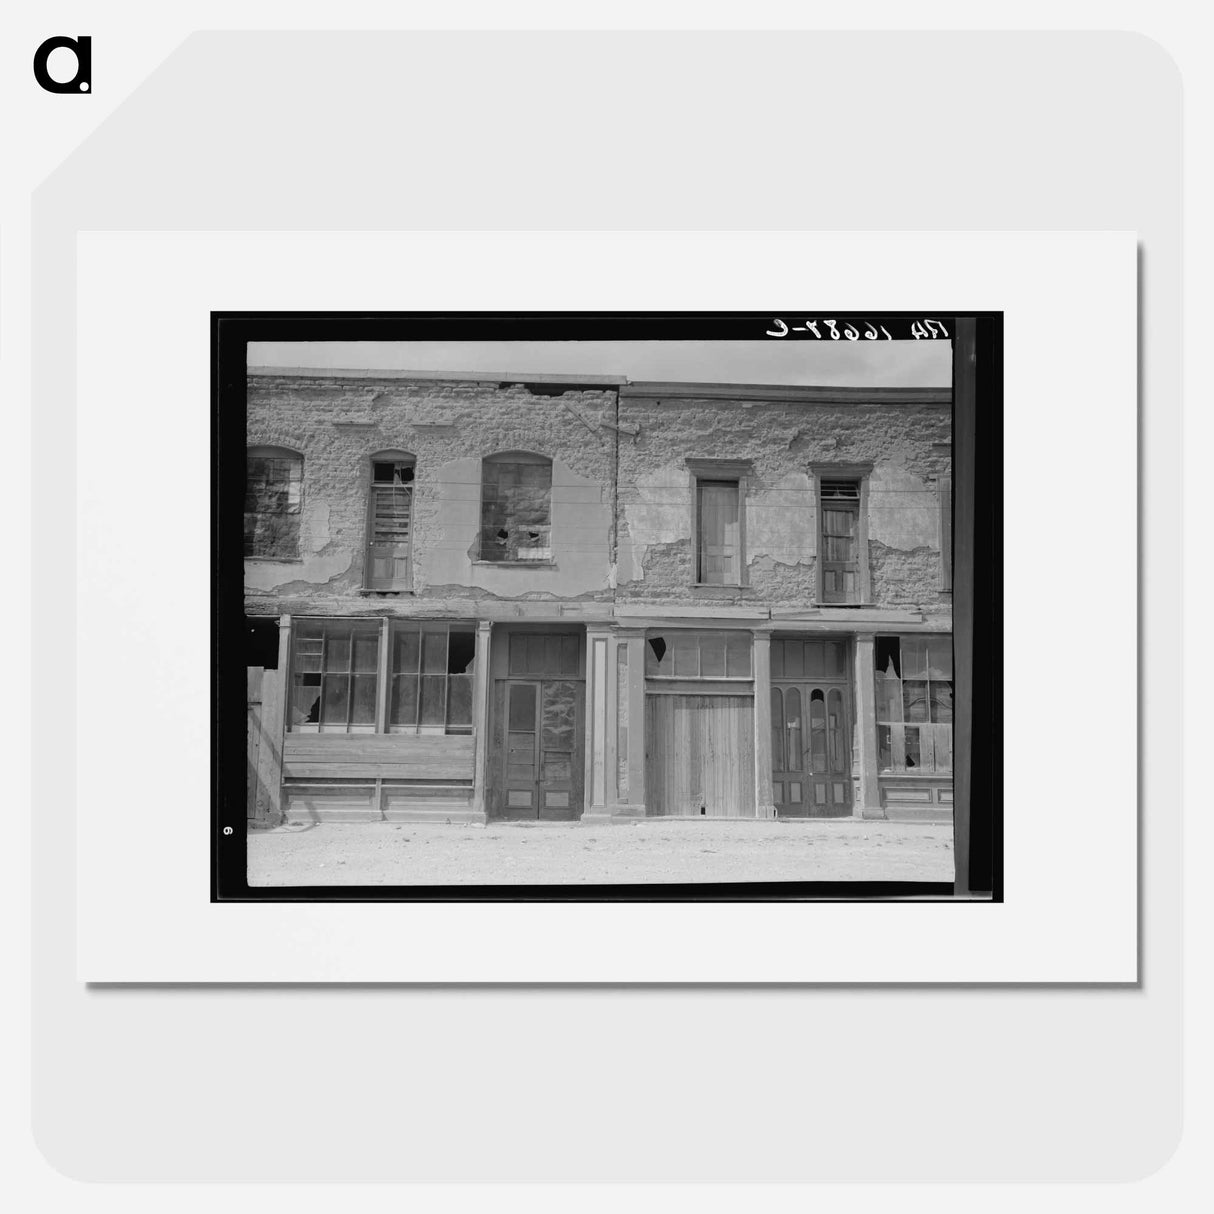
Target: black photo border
x=230 y=334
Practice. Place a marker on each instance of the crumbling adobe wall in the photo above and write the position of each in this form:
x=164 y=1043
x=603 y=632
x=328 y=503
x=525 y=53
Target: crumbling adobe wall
x=907 y=444
x=336 y=423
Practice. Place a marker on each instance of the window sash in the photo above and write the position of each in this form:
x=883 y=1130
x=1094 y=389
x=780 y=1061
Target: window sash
x=914 y=708
x=335 y=671
x=272 y=505
x=516 y=510
x=718 y=506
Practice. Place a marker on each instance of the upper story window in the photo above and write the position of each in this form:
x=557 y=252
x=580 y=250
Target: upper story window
x=842 y=498
x=516 y=508
x=718 y=506
x=390 y=522
x=273 y=497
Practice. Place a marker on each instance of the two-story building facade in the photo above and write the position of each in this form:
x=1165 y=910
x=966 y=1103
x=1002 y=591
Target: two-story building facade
x=581 y=598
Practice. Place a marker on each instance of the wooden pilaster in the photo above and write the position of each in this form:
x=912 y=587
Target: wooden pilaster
x=764 y=800
x=480 y=723
x=868 y=801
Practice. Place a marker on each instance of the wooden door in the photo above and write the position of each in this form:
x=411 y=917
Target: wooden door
x=389 y=536
x=542 y=751
x=699 y=755
x=811 y=750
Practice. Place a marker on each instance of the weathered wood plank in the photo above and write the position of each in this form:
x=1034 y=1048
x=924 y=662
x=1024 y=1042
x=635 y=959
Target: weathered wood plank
x=387 y=757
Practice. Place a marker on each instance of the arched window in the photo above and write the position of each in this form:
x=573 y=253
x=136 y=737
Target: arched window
x=273 y=496
x=389 y=563
x=516 y=507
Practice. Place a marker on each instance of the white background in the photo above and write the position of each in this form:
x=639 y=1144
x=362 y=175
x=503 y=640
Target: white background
x=190 y=1084
x=144 y=302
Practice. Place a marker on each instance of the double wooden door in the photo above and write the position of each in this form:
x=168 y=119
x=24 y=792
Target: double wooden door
x=542 y=751
x=700 y=755
x=811 y=749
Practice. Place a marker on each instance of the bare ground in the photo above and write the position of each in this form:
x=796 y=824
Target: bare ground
x=382 y=853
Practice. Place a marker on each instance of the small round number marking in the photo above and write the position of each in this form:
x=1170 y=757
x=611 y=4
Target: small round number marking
x=227 y=830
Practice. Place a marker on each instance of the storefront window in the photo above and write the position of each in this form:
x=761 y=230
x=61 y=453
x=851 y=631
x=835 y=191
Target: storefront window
x=914 y=703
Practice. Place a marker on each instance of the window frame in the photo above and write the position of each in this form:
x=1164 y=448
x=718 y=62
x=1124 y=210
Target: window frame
x=385 y=631
x=718 y=471
x=727 y=679
x=498 y=458
x=270 y=451
x=860 y=473
x=882 y=721
x=396 y=585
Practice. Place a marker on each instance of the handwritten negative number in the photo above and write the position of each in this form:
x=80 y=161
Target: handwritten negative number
x=920 y=329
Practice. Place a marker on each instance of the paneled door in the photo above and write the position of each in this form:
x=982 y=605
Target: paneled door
x=542 y=751
x=811 y=750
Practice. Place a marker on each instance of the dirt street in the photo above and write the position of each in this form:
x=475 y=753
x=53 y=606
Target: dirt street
x=381 y=853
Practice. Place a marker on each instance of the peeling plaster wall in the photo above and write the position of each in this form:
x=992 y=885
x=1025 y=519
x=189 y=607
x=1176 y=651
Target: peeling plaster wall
x=620 y=532
x=907 y=444
x=337 y=423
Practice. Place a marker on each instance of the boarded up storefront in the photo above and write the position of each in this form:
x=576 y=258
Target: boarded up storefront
x=699 y=730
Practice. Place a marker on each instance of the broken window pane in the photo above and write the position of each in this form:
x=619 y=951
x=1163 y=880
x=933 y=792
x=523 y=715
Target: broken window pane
x=655 y=657
x=461 y=652
x=272 y=501
x=515 y=509
x=914 y=657
x=305 y=700
x=910 y=689
x=940 y=657
x=335 y=701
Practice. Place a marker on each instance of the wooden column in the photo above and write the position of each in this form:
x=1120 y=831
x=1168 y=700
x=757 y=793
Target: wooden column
x=868 y=802
x=597 y=804
x=765 y=806
x=382 y=686
x=480 y=723
x=273 y=725
x=627 y=720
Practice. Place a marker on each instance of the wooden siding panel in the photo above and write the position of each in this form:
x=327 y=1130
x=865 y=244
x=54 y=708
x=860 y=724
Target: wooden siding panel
x=390 y=756
x=700 y=753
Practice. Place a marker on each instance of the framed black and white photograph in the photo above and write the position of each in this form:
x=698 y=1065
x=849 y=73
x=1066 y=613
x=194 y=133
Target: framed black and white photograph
x=541 y=636
x=618 y=605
